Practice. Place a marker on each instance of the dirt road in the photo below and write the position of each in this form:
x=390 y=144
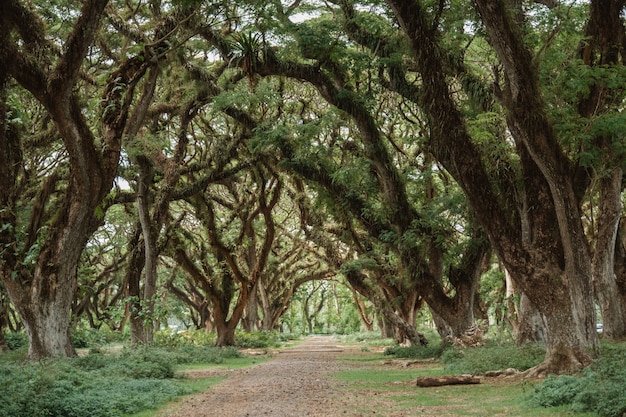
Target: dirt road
x=294 y=383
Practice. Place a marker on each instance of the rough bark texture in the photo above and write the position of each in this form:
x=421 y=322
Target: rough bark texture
x=605 y=284
x=439 y=381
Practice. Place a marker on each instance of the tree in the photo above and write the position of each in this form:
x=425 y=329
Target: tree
x=40 y=276
x=539 y=237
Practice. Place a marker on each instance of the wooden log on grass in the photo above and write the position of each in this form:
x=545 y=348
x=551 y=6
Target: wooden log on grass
x=438 y=381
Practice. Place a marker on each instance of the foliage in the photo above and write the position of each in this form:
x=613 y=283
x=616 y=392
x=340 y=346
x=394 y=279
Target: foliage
x=599 y=389
x=367 y=338
x=101 y=385
x=492 y=356
x=15 y=340
x=432 y=350
x=167 y=339
x=86 y=337
x=95 y=385
x=257 y=340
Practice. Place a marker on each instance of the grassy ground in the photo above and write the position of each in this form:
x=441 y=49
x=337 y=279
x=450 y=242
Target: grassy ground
x=377 y=386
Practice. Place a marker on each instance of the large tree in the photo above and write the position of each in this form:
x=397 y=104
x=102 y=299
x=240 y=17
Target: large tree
x=46 y=231
x=534 y=224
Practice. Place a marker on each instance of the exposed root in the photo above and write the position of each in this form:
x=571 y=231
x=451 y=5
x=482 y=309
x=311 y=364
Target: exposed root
x=559 y=361
x=473 y=337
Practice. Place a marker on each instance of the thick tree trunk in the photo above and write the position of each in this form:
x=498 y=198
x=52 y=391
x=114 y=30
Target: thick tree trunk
x=549 y=258
x=620 y=265
x=150 y=250
x=531 y=324
x=251 y=319
x=570 y=323
x=605 y=284
x=386 y=327
x=225 y=334
x=45 y=310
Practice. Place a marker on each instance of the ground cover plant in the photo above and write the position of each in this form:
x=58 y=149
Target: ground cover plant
x=598 y=389
x=104 y=384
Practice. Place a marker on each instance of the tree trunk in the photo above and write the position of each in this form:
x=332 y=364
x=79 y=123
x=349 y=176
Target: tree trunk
x=45 y=311
x=512 y=313
x=620 y=265
x=605 y=285
x=439 y=381
x=368 y=322
x=549 y=259
x=251 y=319
x=386 y=327
x=132 y=283
x=531 y=324
x=225 y=334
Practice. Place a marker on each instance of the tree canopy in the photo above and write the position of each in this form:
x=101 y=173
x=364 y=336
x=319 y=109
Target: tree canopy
x=228 y=155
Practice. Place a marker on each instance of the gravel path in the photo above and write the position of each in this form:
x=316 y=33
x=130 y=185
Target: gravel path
x=292 y=384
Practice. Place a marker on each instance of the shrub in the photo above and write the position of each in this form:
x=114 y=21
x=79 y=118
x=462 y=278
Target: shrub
x=492 y=356
x=599 y=389
x=15 y=340
x=165 y=338
x=256 y=340
x=94 y=385
x=84 y=337
x=368 y=338
x=432 y=350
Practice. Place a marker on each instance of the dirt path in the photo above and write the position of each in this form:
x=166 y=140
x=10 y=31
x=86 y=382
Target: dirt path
x=292 y=384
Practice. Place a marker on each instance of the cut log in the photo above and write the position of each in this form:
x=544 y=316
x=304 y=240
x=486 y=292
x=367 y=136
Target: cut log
x=438 y=381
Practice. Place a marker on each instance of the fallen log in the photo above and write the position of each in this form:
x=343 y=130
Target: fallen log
x=438 y=381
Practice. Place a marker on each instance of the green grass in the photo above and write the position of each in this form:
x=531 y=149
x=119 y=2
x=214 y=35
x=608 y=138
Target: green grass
x=379 y=389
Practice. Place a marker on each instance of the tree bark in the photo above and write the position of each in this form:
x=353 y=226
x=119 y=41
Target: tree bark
x=605 y=285
x=531 y=325
x=439 y=381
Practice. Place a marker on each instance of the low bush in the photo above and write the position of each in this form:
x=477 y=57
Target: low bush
x=492 y=356
x=95 y=385
x=98 y=384
x=257 y=340
x=15 y=340
x=86 y=337
x=368 y=339
x=599 y=389
x=432 y=350
x=165 y=338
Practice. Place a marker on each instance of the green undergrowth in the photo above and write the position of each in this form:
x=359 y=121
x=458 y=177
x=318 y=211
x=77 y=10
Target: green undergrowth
x=599 y=389
x=244 y=340
x=493 y=355
x=366 y=339
x=378 y=386
x=103 y=385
